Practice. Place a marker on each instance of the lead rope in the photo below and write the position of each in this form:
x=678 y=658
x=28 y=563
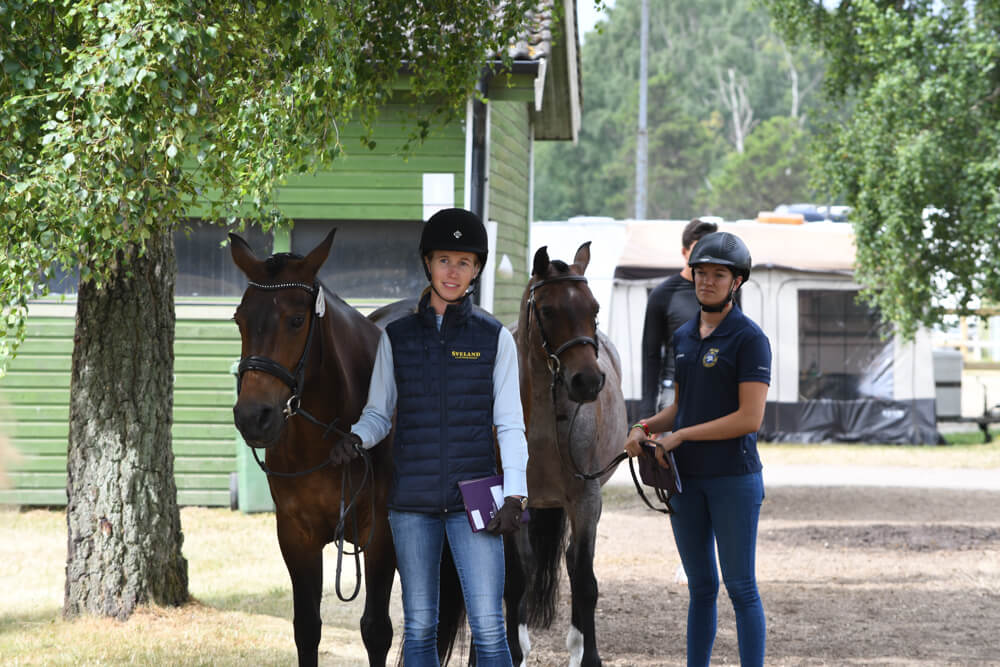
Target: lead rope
x=339 y=532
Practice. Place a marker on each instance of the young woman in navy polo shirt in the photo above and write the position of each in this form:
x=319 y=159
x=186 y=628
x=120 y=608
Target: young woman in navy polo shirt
x=723 y=369
x=449 y=373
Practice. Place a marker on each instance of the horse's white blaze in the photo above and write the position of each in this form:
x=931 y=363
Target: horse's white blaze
x=525 y=641
x=574 y=643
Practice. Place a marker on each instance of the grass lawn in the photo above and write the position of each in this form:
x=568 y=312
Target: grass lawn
x=241 y=613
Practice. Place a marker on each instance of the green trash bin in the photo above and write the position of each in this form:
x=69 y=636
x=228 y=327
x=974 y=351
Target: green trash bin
x=250 y=488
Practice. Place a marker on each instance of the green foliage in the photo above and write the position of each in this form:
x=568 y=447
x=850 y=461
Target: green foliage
x=116 y=116
x=694 y=47
x=773 y=169
x=918 y=156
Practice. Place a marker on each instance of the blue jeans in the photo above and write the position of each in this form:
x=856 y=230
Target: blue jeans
x=722 y=510
x=419 y=540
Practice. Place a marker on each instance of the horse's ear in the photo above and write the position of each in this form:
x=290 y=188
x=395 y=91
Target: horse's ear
x=541 y=264
x=244 y=258
x=318 y=255
x=582 y=258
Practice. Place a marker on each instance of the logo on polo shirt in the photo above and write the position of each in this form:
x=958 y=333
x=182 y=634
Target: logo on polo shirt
x=460 y=354
x=710 y=357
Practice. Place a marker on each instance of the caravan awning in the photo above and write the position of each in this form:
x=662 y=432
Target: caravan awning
x=653 y=247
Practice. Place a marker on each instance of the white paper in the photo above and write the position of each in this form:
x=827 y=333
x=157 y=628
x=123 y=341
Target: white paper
x=497 y=492
x=477 y=520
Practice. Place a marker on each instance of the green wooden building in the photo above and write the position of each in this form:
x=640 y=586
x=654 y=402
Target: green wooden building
x=377 y=200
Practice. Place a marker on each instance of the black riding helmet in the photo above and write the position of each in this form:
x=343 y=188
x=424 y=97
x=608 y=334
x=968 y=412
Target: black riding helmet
x=727 y=250
x=454 y=229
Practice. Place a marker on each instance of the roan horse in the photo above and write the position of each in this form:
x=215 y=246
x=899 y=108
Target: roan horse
x=574 y=413
x=306 y=362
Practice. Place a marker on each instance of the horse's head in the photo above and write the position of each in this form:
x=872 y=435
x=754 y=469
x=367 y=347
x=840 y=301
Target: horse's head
x=278 y=318
x=559 y=320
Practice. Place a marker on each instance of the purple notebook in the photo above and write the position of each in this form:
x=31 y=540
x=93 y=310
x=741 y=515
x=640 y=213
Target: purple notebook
x=482 y=498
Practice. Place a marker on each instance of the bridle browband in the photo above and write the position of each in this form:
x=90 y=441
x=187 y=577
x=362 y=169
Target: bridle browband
x=293 y=406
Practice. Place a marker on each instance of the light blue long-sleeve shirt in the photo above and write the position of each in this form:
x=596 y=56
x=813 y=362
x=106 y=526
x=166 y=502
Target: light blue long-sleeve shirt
x=376 y=419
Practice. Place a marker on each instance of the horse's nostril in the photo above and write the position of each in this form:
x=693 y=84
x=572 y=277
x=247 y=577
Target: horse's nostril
x=255 y=421
x=264 y=416
x=586 y=386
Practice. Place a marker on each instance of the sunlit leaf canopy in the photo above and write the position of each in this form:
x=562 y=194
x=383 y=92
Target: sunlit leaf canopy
x=116 y=116
x=919 y=157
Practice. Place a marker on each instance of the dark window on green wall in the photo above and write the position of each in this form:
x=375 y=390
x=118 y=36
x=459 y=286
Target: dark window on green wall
x=370 y=259
x=842 y=352
x=204 y=265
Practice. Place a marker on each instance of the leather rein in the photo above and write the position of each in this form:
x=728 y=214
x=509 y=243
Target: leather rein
x=293 y=407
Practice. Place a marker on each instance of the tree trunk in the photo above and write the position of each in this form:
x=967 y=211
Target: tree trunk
x=124 y=529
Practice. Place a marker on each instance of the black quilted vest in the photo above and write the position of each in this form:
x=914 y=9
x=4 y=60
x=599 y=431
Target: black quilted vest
x=444 y=409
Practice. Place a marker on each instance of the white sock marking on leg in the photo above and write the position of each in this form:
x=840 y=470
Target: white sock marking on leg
x=574 y=644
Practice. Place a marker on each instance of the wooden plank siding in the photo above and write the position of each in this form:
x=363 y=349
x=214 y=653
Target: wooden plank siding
x=380 y=183
x=509 y=173
x=34 y=411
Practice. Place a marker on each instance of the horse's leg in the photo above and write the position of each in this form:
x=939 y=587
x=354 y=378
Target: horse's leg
x=380 y=570
x=584 y=515
x=305 y=567
x=513 y=591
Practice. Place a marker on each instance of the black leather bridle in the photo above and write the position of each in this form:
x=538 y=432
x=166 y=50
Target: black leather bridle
x=293 y=406
x=552 y=356
x=555 y=366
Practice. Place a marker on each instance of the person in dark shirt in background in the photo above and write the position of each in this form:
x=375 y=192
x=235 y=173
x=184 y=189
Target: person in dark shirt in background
x=670 y=304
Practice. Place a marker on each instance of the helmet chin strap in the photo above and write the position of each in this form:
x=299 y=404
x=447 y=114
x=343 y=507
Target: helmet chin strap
x=468 y=291
x=718 y=308
x=451 y=301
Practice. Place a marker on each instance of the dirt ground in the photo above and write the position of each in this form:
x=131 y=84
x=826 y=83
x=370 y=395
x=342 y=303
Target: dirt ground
x=848 y=576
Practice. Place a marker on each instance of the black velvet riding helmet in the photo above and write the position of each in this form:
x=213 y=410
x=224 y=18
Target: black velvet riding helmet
x=454 y=229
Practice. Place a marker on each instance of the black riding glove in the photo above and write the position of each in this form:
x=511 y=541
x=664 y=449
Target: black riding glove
x=345 y=449
x=507 y=520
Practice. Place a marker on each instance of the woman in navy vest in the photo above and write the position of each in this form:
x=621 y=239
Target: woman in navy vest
x=449 y=372
x=723 y=369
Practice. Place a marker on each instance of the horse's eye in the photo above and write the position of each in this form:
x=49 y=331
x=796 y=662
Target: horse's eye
x=548 y=311
x=297 y=321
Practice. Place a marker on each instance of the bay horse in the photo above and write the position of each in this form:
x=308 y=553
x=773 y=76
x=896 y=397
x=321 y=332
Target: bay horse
x=575 y=420
x=306 y=362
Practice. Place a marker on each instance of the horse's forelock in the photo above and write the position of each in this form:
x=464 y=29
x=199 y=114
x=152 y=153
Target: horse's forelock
x=278 y=261
x=559 y=265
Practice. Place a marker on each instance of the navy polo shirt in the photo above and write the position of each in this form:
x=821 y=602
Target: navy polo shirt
x=709 y=371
